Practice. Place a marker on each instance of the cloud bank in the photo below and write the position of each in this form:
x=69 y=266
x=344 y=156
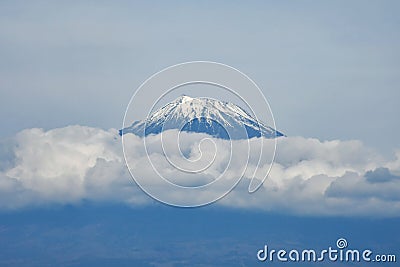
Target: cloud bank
x=309 y=177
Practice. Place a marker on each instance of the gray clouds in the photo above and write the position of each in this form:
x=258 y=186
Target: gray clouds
x=76 y=163
x=380 y=175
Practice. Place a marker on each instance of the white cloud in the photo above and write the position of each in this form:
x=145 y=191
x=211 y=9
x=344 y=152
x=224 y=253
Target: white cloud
x=76 y=163
x=65 y=165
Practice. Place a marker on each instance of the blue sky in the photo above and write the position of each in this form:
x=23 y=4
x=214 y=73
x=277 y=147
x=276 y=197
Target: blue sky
x=330 y=71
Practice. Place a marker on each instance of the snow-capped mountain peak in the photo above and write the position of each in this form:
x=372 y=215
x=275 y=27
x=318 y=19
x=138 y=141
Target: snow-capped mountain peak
x=203 y=115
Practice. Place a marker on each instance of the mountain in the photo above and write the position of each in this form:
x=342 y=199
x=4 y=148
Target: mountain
x=203 y=115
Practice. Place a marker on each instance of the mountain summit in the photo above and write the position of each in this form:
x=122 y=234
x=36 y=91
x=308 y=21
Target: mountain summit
x=203 y=115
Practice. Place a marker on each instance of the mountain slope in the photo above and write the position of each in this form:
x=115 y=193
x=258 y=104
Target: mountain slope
x=203 y=115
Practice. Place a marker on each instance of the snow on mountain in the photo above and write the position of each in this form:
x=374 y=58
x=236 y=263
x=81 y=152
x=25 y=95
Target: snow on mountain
x=203 y=115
